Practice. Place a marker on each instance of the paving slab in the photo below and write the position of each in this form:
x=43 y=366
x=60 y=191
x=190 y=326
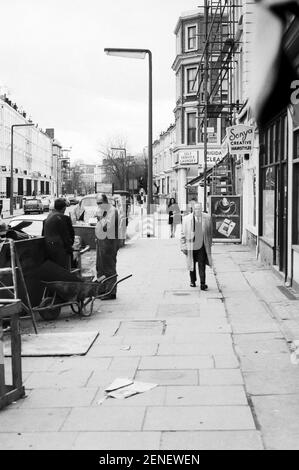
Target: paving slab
x=76 y=363
x=261 y=343
x=220 y=377
x=278 y=418
x=58 y=397
x=105 y=419
x=108 y=350
x=212 y=440
x=60 y=379
x=101 y=379
x=141 y=327
x=207 y=344
x=205 y=395
x=124 y=363
x=176 y=362
x=182 y=310
x=168 y=377
x=37 y=440
x=260 y=361
x=117 y=441
x=233 y=282
x=226 y=361
x=272 y=381
x=33 y=420
x=153 y=397
x=178 y=418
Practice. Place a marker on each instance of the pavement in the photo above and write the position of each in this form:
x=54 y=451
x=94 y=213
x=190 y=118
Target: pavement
x=220 y=359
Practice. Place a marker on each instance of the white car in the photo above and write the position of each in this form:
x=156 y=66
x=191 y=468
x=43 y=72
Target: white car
x=30 y=224
x=33 y=226
x=46 y=203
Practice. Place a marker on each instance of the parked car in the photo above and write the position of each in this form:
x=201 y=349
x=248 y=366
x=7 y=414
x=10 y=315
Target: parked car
x=85 y=210
x=33 y=226
x=73 y=200
x=45 y=203
x=33 y=204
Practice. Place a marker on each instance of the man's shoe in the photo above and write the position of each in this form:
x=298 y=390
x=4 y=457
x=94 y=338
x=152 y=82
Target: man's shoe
x=203 y=286
x=192 y=284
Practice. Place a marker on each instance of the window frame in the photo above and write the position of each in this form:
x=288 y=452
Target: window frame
x=188 y=81
x=188 y=129
x=188 y=37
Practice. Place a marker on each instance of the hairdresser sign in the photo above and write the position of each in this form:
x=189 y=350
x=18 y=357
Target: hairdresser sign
x=240 y=139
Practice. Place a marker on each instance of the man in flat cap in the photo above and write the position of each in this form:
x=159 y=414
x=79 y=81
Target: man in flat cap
x=59 y=235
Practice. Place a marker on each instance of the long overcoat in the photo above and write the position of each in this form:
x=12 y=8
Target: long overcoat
x=188 y=235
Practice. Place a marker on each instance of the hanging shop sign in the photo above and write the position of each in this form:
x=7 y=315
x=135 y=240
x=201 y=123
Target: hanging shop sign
x=188 y=157
x=226 y=218
x=240 y=139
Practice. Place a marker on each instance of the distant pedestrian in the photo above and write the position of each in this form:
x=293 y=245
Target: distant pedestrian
x=174 y=215
x=196 y=242
x=107 y=242
x=59 y=235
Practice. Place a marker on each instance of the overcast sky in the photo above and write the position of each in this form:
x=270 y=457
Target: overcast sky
x=53 y=63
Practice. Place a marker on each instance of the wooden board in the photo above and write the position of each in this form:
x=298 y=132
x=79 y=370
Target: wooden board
x=55 y=344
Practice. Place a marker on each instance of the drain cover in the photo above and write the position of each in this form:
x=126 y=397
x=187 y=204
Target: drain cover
x=140 y=327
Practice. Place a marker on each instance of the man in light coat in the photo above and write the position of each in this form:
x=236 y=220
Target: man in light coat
x=107 y=242
x=196 y=242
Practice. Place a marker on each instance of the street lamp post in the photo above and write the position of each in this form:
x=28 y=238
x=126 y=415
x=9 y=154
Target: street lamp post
x=12 y=163
x=140 y=54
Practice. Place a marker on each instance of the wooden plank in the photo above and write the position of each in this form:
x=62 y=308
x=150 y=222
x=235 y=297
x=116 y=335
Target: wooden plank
x=13 y=266
x=16 y=359
x=2 y=371
x=11 y=396
x=13 y=306
x=5 y=270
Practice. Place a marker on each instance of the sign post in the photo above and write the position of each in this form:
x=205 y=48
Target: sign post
x=226 y=218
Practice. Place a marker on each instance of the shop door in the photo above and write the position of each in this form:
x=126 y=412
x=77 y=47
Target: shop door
x=281 y=218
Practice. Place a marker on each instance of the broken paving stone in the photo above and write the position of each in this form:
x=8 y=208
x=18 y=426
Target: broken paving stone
x=123 y=388
x=118 y=383
x=130 y=390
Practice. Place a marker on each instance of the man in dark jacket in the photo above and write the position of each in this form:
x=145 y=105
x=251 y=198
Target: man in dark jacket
x=59 y=235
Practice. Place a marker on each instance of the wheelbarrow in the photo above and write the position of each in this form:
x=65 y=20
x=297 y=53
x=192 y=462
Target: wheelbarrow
x=76 y=294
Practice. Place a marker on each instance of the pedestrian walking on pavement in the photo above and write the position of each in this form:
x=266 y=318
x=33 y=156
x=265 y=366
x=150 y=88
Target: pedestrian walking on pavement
x=196 y=242
x=59 y=235
x=107 y=242
x=174 y=215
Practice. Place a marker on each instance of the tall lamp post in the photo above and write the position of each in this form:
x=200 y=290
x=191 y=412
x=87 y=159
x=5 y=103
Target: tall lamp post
x=125 y=163
x=140 y=54
x=12 y=163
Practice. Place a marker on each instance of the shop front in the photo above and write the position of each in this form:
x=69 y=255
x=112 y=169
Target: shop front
x=273 y=200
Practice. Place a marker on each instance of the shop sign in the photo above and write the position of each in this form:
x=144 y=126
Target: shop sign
x=103 y=188
x=213 y=157
x=226 y=218
x=240 y=139
x=188 y=157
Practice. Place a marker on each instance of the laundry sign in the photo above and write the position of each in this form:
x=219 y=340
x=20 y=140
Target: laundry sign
x=240 y=139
